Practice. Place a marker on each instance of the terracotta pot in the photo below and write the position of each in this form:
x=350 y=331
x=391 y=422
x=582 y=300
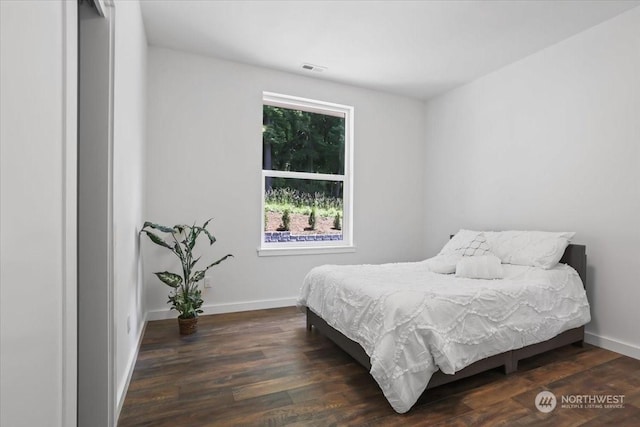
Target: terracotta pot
x=188 y=326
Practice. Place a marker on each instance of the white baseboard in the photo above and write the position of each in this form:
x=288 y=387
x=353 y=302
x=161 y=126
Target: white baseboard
x=227 y=307
x=613 y=345
x=131 y=364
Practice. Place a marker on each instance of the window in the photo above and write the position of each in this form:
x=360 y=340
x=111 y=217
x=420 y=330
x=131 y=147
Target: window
x=306 y=176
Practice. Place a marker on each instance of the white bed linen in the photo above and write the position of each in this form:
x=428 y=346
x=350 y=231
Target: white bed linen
x=412 y=322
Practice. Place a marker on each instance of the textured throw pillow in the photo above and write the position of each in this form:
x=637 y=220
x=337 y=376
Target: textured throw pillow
x=480 y=267
x=466 y=243
x=443 y=264
x=533 y=248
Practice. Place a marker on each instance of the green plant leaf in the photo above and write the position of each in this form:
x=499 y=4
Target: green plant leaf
x=179 y=228
x=170 y=279
x=190 y=240
x=199 y=230
x=178 y=250
x=197 y=276
x=187 y=303
x=217 y=262
x=157 y=227
x=212 y=239
x=194 y=262
x=156 y=239
x=204 y=230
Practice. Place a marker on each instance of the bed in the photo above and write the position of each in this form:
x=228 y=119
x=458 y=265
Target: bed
x=414 y=329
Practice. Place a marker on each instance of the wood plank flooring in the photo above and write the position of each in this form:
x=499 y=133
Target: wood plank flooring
x=262 y=368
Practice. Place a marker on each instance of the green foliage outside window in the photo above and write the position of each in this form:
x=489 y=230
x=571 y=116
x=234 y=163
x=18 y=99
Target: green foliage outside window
x=312 y=218
x=302 y=141
x=286 y=220
x=337 y=223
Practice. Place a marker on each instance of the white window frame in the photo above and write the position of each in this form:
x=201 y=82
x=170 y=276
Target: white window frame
x=314 y=247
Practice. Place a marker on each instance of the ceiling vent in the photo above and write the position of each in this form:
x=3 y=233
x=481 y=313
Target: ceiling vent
x=311 y=67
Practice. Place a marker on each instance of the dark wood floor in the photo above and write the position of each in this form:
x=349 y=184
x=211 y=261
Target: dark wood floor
x=263 y=368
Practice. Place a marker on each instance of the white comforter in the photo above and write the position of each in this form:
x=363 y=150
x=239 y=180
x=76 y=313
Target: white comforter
x=412 y=322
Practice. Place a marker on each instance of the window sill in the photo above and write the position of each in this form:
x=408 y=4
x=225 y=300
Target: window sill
x=306 y=250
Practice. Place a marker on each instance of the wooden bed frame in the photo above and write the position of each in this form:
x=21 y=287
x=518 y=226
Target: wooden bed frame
x=574 y=255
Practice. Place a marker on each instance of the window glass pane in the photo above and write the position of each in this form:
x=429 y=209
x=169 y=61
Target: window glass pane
x=314 y=209
x=300 y=141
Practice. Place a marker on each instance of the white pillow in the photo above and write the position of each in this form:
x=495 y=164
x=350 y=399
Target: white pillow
x=443 y=264
x=533 y=248
x=466 y=243
x=480 y=267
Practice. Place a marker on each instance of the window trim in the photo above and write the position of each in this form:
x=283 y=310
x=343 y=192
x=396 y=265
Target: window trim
x=316 y=247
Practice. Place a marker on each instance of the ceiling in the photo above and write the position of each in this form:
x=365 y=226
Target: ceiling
x=413 y=48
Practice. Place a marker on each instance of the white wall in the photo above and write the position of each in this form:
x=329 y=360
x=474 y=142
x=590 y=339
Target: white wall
x=204 y=156
x=551 y=142
x=38 y=83
x=129 y=133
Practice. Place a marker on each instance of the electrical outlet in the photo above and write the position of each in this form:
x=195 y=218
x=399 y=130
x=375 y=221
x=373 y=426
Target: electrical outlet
x=207 y=281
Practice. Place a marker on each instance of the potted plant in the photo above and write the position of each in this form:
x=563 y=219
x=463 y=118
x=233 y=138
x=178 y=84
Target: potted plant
x=185 y=296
